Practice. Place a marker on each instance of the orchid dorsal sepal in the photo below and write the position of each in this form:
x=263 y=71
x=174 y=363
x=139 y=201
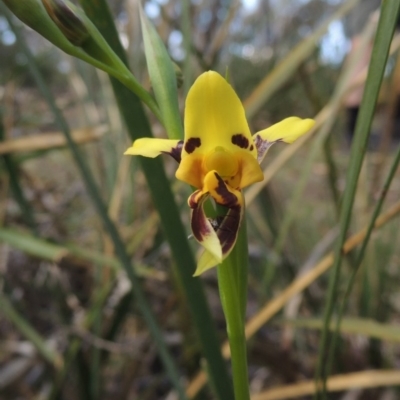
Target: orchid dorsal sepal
x=287 y=130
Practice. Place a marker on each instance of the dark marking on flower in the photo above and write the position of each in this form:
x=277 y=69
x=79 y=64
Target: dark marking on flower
x=240 y=140
x=262 y=146
x=200 y=224
x=192 y=144
x=176 y=151
x=193 y=201
x=229 y=227
x=251 y=148
x=229 y=198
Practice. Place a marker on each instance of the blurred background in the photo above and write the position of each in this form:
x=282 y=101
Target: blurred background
x=57 y=267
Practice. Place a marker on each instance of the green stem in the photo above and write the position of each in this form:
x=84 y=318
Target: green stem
x=232 y=281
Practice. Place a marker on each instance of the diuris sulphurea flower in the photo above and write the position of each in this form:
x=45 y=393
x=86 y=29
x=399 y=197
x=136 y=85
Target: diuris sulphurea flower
x=219 y=157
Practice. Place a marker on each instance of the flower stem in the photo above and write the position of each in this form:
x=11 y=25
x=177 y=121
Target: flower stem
x=232 y=281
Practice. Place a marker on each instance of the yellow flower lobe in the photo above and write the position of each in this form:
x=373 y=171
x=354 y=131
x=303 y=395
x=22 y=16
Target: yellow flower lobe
x=221 y=161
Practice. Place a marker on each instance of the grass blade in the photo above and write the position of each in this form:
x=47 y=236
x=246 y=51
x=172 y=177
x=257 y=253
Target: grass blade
x=380 y=53
x=23 y=203
x=337 y=383
x=29 y=332
x=163 y=78
x=355 y=326
x=361 y=253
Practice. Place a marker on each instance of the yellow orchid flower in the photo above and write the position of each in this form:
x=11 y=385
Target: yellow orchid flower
x=219 y=157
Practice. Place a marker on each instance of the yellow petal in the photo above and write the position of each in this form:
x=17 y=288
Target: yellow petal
x=206 y=262
x=150 y=147
x=287 y=130
x=190 y=170
x=251 y=171
x=214 y=116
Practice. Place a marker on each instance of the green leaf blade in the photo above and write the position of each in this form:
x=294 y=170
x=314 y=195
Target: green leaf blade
x=163 y=78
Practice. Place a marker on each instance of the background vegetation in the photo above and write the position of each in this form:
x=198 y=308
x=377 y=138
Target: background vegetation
x=72 y=326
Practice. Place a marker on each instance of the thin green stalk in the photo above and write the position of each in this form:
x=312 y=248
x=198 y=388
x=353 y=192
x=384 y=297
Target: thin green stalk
x=18 y=193
x=102 y=211
x=332 y=173
x=163 y=199
x=187 y=45
x=49 y=251
x=232 y=282
x=95 y=353
x=385 y=30
x=163 y=78
x=29 y=332
x=143 y=95
x=360 y=257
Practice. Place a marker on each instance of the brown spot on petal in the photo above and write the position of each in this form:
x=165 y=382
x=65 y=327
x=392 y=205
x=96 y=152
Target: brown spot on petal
x=240 y=140
x=192 y=144
x=251 y=148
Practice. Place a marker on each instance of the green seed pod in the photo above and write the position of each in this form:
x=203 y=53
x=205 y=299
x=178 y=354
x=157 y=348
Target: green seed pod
x=67 y=21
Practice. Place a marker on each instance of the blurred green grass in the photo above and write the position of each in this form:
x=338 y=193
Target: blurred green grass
x=52 y=296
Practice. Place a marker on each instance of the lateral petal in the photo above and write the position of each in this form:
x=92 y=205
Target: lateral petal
x=227 y=231
x=226 y=227
x=202 y=229
x=206 y=261
x=151 y=147
x=288 y=130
